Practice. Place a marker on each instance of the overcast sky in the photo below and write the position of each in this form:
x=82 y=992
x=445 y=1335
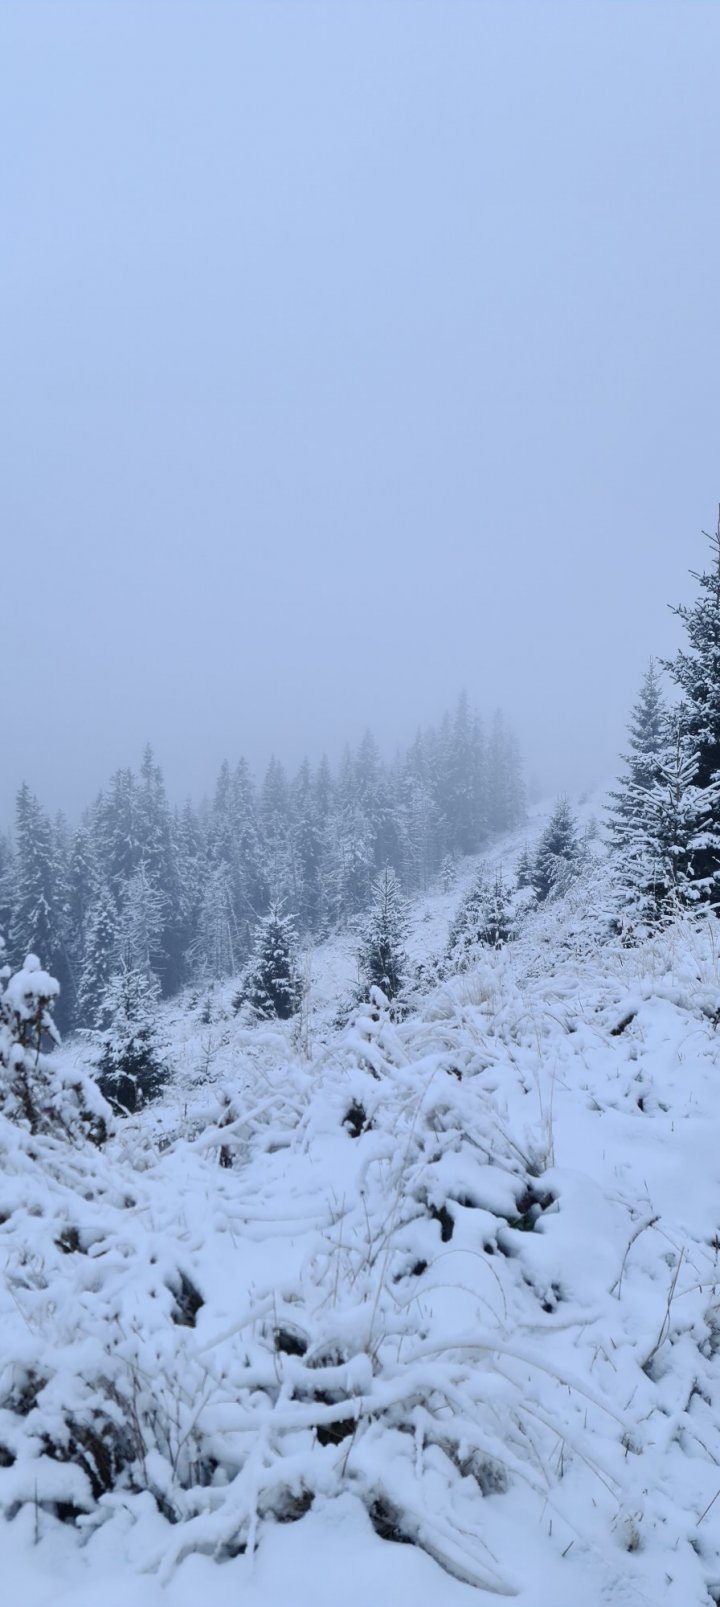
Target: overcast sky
x=351 y=354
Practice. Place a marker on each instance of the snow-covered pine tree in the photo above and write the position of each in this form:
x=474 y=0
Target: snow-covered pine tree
x=638 y=873
x=116 y=831
x=350 y=868
x=483 y=919
x=251 y=887
x=278 y=870
x=189 y=846
x=141 y=924
x=383 y=961
x=214 y=950
x=448 y=872
x=558 y=852
x=131 y=1069
x=33 y=1091
x=696 y=671
x=647 y=741
x=524 y=873
x=271 y=984
x=308 y=847
x=38 y=924
x=81 y=883
x=98 y=956
x=158 y=845
x=667 y=839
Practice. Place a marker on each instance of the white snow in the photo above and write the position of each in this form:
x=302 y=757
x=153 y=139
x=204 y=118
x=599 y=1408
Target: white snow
x=504 y=1291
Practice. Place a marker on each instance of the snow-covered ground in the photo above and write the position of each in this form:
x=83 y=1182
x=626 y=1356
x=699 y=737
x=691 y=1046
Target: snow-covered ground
x=393 y=1311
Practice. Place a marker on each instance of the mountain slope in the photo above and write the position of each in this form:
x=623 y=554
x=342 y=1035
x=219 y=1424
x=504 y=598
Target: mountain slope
x=413 y=1310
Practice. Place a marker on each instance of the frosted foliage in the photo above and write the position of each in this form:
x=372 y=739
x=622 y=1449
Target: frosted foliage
x=131 y=1068
x=383 y=960
x=36 y=1092
x=272 y=985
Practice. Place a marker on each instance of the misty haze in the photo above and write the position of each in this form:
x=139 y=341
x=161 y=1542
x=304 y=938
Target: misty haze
x=360 y=803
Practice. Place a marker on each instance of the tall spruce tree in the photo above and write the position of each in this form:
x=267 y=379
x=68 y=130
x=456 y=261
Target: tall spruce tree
x=696 y=671
x=99 y=956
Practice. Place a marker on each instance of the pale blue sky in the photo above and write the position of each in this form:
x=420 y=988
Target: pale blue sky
x=351 y=353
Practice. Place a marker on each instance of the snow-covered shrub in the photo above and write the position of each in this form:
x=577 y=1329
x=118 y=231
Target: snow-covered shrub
x=33 y=1092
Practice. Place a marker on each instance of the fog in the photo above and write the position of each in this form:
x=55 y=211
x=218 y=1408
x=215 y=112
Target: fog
x=352 y=355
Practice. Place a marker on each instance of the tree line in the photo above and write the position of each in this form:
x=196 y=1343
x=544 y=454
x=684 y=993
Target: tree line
x=179 y=894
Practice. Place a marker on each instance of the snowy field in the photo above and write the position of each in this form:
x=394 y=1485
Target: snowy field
x=387 y=1311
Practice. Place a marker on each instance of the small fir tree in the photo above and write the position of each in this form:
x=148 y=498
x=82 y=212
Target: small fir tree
x=383 y=960
x=483 y=919
x=448 y=873
x=638 y=875
x=271 y=984
x=524 y=874
x=558 y=853
x=131 y=1070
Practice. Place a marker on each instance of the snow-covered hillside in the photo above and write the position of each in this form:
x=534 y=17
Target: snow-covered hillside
x=393 y=1310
